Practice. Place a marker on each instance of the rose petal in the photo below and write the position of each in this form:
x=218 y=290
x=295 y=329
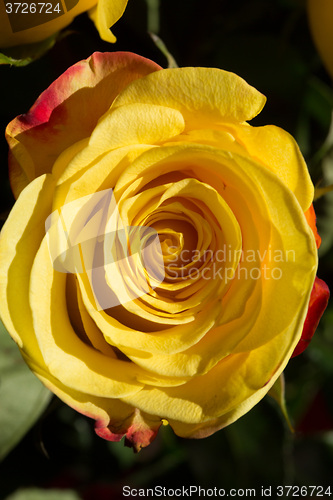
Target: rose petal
x=119 y=128
x=318 y=302
x=68 y=111
x=139 y=429
x=225 y=393
x=271 y=146
x=114 y=419
x=68 y=358
x=20 y=239
x=289 y=232
x=202 y=95
x=105 y=14
x=277 y=150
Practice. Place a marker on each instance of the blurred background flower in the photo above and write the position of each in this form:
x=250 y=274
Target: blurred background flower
x=33 y=28
x=321 y=21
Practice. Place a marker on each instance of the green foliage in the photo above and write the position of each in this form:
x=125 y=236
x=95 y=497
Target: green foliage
x=26 y=54
x=23 y=398
x=39 y=494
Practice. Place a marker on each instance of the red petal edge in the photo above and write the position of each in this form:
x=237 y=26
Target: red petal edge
x=68 y=111
x=139 y=430
x=318 y=301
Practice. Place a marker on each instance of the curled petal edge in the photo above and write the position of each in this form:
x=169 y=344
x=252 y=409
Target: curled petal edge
x=139 y=430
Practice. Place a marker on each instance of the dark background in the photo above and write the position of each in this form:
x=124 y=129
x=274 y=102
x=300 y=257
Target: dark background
x=267 y=43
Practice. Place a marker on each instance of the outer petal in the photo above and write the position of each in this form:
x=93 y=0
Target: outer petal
x=224 y=394
x=317 y=305
x=203 y=95
x=19 y=241
x=66 y=356
x=114 y=419
x=271 y=146
x=105 y=14
x=277 y=150
x=68 y=111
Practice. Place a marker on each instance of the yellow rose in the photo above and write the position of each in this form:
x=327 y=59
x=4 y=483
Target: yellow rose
x=174 y=153
x=32 y=22
x=321 y=24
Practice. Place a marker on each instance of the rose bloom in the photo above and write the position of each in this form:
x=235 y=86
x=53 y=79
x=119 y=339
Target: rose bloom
x=20 y=28
x=232 y=207
x=320 y=13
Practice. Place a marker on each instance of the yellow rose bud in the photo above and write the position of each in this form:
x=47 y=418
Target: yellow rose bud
x=30 y=22
x=158 y=263
x=321 y=23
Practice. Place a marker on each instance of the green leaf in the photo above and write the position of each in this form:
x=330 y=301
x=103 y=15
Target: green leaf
x=39 y=494
x=23 y=398
x=26 y=54
x=277 y=393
